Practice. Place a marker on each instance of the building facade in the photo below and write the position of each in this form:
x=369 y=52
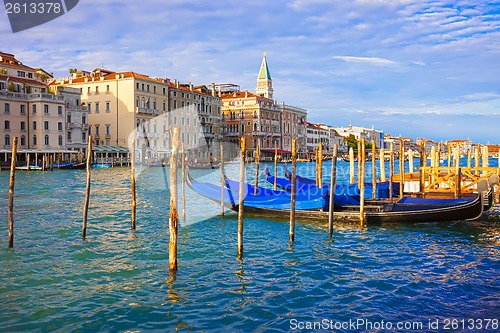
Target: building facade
x=33 y=112
x=262 y=121
x=126 y=105
x=369 y=134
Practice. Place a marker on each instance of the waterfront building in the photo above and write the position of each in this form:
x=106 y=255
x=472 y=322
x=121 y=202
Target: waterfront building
x=368 y=134
x=326 y=135
x=126 y=104
x=197 y=110
x=260 y=119
x=34 y=113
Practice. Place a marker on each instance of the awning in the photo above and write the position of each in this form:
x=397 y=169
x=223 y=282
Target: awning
x=109 y=149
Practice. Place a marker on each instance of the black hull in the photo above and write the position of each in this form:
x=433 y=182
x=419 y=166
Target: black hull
x=467 y=211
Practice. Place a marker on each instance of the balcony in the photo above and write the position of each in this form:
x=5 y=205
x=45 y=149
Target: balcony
x=258 y=133
x=31 y=97
x=147 y=111
x=70 y=125
x=85 y=126
x=232 y=134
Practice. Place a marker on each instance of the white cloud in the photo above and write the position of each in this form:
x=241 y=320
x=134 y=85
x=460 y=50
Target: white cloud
x=367 y=60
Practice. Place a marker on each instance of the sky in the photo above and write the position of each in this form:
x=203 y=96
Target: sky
x=413 y=68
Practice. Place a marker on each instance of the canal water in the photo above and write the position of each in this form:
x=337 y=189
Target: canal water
x=379 y=278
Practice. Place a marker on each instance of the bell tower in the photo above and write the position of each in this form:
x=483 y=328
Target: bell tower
x=264 y=81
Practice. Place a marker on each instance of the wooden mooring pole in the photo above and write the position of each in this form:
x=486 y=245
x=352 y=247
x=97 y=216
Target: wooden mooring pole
x=361 y=182
x=87 y=189
x=275 y=166
x=222 y=180
x=257 y=164
x=320 y=164
x=173 y=220
x=293 y=190
x=391 y=172
x=351 y=165
x=333 y=183
x=241 y=194
x=183 y=183
x=401 y=168
x=132 y=184
x=382 y=165
x=374 y=170
x=11 y=192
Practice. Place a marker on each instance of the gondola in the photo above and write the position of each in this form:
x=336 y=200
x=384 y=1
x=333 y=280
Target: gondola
x=404 y=210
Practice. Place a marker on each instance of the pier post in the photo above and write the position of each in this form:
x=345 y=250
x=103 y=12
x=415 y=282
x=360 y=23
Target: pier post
x=11 y=192
x=316 y=161
x=183 y=183
x=382 y=164
x=359 y=161
x=391 y=172
x=87 y=188
x=257 y=164
x=361 y=181
x=410 y=161
x=275 y=166
x=222 y=180
x=438 y=154
x=333 y=182
x=241 y=194
x=28 y=162
x=320 y=164
x=374 y=170
x=351 y=165
x=294 y=190
x=132 y=184
x=173 y=216
x=422 y=165
x=401 y=168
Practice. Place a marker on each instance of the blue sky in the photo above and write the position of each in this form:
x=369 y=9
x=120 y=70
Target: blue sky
x=416 y=68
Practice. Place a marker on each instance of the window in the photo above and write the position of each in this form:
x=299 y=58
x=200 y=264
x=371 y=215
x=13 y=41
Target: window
x=68 y=136
x=46 y=125
x=97 y=90
x=137 y=86
x=7 y=108
x=96 y=107
x=7 y=125
x=34 y=125
x=34 y=140
x=60 y=140
x=46 y=109
x=107 y=88
x=68 y=118
x=21 y=74
x=59 y=126
x=23 y=126
x=23 y=109
x=23 y=141
x=84 y=137
x=47 y=140
x=88 y=91
x=164 y=91
x=90 y=107
x=96 y=130
x=7 y=140
x=59 y=110
x=84 y=120
x=108 y=131
x=108 y=108
x=33 y=109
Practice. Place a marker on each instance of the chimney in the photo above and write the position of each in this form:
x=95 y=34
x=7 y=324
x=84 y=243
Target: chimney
x=246 y=93
x=190 y=86
x=213 y=89
x=220 y=92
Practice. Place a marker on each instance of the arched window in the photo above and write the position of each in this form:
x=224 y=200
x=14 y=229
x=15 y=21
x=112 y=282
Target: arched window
x=7 y=140
x=47 y=140
x=23 y=140
x=60 y=140
x=34 y=140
